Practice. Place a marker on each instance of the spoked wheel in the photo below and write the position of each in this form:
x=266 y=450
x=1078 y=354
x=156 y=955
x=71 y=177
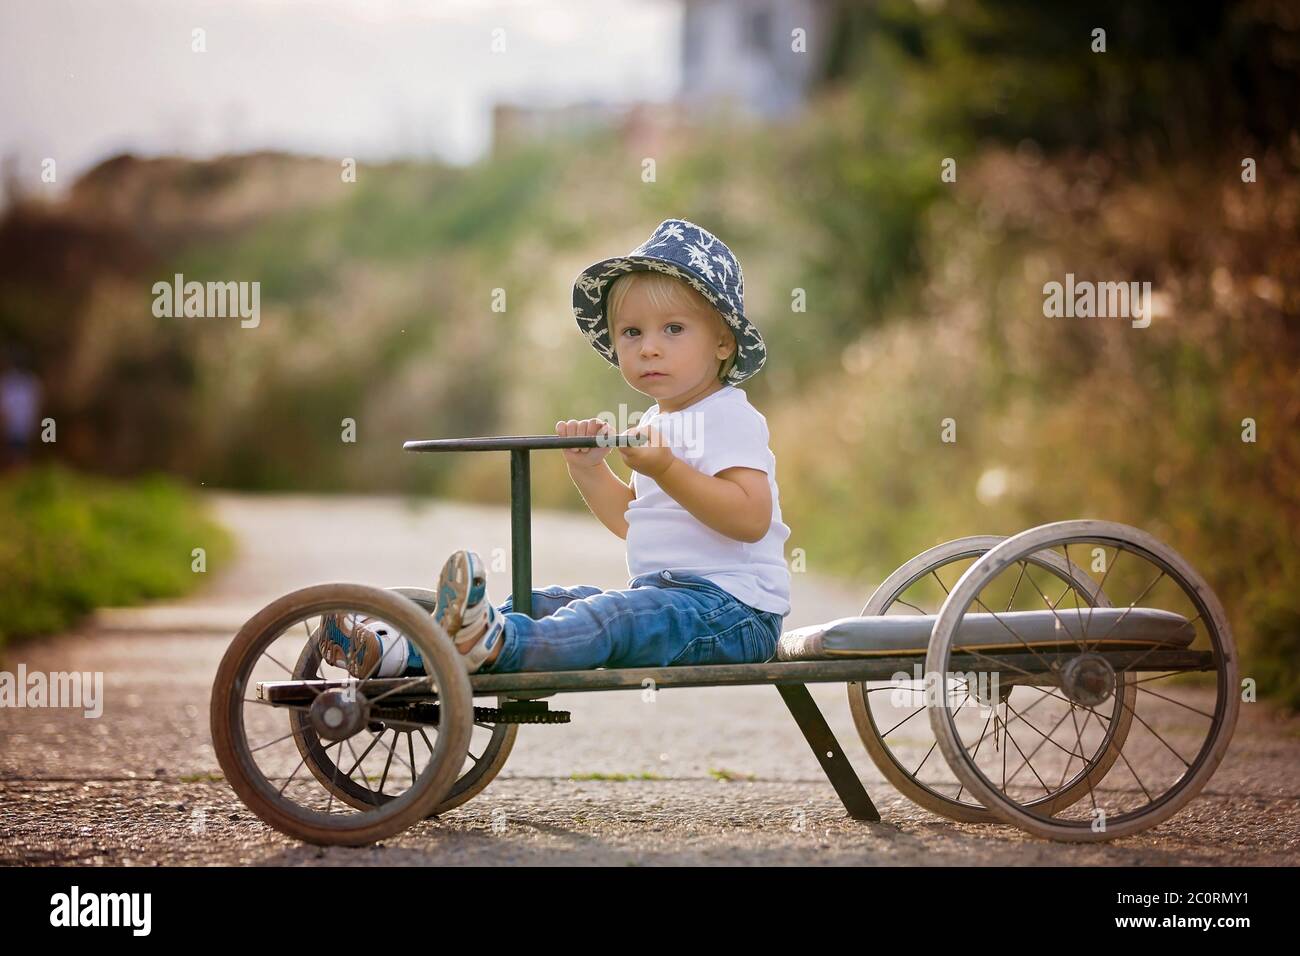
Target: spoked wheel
x=489 y=747
x=1166 y=636
x=889 y=714
x=254 y=737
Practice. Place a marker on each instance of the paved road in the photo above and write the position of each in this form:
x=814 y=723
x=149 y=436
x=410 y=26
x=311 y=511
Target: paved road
x=136 y=786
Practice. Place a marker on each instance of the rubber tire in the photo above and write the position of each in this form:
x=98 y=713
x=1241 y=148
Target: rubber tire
x=997 y=561
x=455 y=696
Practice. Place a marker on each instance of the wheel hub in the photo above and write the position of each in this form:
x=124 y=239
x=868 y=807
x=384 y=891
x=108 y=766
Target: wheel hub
x=340 y=713
x=1088 y=679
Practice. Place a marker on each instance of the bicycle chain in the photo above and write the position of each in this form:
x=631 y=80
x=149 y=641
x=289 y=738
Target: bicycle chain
x=495 y=715
x=484 y=715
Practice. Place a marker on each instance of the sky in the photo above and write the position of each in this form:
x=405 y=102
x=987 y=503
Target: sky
x=81 y=80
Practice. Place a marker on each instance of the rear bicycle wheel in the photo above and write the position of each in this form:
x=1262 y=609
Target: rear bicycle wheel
x=1166 y=634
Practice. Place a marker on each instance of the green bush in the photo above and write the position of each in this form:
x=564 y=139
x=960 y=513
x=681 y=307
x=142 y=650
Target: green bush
x=73 y=543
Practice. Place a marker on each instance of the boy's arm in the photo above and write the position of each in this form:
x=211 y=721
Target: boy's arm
x=605 y=494
x=736 y=502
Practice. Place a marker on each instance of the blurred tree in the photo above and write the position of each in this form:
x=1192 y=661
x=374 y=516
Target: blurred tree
x=1173 y=78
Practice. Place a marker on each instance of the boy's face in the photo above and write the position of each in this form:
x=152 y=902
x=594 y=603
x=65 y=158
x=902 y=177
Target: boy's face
x=667 y=354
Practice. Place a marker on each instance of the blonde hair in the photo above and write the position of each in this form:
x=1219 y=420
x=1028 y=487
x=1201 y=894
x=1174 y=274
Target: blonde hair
x=667 y=292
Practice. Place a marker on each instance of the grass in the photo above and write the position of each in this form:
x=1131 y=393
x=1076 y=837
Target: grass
x=723 y=774
x=202 y=778
x=75 y=542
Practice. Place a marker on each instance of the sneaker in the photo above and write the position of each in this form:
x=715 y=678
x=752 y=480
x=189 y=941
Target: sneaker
x=365 y=647
x=477 y=641
x=463 y=608
x=462 y=587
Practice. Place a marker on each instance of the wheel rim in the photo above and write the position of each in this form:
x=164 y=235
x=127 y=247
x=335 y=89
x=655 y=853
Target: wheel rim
x=908 y=760
x=258 y=743
x=1153 y=776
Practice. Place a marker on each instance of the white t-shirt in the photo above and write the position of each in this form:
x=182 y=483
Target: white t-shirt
x=720 y=431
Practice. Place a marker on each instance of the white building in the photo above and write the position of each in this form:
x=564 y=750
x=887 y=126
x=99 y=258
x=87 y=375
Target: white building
x=740 y=51
x=759 y=58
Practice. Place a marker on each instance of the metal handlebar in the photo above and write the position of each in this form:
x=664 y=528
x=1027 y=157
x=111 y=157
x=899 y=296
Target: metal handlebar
x=521 y=535
x=524 y=442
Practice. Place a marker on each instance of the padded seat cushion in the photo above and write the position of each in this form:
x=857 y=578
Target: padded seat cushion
x=904 y=634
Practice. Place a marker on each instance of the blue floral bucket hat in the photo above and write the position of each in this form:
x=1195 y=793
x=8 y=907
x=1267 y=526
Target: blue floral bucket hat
x=685 y=251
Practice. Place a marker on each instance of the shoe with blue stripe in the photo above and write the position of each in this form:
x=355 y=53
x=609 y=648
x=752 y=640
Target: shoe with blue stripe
x=463 y=608
x=462 y=586
x=365 y=647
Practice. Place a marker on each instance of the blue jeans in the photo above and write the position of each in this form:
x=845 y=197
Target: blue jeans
x=661 y=619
